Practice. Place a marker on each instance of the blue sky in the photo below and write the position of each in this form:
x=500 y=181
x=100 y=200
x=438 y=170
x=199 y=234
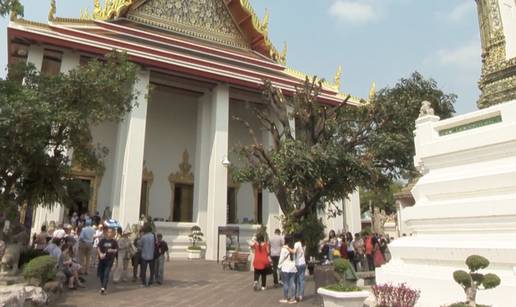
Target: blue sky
x=380 y=40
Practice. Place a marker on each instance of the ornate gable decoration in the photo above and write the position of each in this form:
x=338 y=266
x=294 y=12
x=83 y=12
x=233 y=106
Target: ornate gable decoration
x=205 y=19
x=184 y=175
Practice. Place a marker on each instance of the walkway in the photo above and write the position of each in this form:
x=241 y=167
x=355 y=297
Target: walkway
x=187 y=283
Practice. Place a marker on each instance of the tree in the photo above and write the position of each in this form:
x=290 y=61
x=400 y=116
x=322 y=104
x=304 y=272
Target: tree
x=13 y=6
x=335 y=149
x=473 y=280
x=46 y=117
x=382 y=199
x=406 y=96
x=404 y=101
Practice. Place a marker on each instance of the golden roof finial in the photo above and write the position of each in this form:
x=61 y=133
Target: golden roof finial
x=52 y=11
x=372 y=92
x=265 y=23
x=283 y=54
x=338 y=75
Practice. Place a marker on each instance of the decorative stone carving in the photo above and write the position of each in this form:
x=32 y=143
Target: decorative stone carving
x=205 y=19
x=184 y=175
x=16 y=295
x=426 y=109
x=10 y=259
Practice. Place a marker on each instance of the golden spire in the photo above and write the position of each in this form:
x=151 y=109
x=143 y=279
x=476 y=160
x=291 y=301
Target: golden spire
x=265 y=23
x=52 y=11
x=372 y=92
x=338 y=75
x=283 y=54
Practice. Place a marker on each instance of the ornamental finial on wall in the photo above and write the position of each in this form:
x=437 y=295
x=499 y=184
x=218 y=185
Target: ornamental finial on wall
x=426 y=109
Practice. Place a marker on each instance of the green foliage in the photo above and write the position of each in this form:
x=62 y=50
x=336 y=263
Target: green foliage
x=13 y=6
x=342 y=288
x=491 y=281
x=312 y=229
x=344 y=268
x=472 y=281
x=196 y=237
x=462 y=278
x=45 y=116
x=42 y=268
x=476 y=262
x=29 y=254
x=380 y=198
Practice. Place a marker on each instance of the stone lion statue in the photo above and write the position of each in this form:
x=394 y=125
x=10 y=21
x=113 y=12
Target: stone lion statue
x=426 y=109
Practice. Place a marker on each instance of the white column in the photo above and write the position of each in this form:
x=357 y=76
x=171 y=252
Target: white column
x=218 y=175
x=202 y=160
x=35 y=56
x=129 y=157
x=69 y=61
x=353 y=215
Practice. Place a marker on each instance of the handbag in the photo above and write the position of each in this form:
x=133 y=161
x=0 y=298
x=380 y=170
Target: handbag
x=268 y=269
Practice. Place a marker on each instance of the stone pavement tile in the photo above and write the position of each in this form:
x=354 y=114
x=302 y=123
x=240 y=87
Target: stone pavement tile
x=187 y=284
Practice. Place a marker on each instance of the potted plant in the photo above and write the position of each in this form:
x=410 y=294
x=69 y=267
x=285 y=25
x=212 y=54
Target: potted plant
x=194 y=250
x=345 y=293
x=474 y=281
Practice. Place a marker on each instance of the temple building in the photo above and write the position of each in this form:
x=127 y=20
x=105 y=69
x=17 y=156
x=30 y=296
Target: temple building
x=205 y=61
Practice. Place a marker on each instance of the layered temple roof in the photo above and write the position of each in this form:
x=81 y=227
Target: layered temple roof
x=221 y=40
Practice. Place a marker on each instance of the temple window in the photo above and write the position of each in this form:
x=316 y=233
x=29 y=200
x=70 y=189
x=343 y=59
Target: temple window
x=51 y=62
x=147 y=179
x=258 y=204
x=231 y=206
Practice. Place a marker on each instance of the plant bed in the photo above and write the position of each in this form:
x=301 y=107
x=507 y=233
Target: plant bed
x=342 y=296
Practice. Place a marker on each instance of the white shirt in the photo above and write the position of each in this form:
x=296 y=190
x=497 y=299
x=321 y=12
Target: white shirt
x=286 y=264
x=300 y=253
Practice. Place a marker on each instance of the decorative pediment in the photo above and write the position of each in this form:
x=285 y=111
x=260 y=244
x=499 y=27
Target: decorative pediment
x=184 y=175
x=205 y=19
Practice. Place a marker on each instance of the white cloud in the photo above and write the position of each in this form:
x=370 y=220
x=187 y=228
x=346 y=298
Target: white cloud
x=466 y=57
x=353 y=11
x=461 y=11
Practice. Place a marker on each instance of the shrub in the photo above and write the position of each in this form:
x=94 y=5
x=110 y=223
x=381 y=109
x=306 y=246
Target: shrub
x=388 y=295
x=29 y=254
x=342 y=288
x=195 y=236
x=42 y=268
x=473 y=281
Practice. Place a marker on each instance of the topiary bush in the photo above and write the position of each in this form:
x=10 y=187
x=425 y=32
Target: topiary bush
x=41 y=268
x=29 y=254
x=473 y=281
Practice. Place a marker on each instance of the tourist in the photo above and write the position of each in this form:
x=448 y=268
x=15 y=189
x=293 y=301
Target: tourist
x=86 y=238
x=330 y=245
x=74 y=218
x=261 y=261
x=343 y=246
x=288 y=271
x=350 y=250
x=135 y=261
x=276 y=242
x=41 y=239
x=160 y=262
x=369 y=243
x=378 y=256
x=70 y=267
x=147 y=245
x=299 y=253
x=106 y=251
x=358 y=246
x=96 y=218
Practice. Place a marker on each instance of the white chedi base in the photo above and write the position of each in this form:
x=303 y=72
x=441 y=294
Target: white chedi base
x=465 y=205
x=343 y=299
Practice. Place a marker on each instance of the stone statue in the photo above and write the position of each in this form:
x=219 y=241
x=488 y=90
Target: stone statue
x=426 y=109
x=10 y=259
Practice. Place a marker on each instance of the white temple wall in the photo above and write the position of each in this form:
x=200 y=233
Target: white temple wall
x=171 y=128
x=507 y=12
x=239 y=135
x=105 y=136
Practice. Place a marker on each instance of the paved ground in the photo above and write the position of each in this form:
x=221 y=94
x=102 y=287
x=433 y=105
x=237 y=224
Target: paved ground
x=187 y=283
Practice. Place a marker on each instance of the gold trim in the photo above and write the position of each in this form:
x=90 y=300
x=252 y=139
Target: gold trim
x=183 y=176
x=95 y=178
x=147 y=176
x=52 y=11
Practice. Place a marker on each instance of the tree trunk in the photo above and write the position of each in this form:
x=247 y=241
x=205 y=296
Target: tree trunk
x=471 y=294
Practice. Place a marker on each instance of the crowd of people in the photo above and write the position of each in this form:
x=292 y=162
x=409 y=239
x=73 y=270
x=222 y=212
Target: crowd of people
x=89 y=242
x=284 y=258
x=365 y=251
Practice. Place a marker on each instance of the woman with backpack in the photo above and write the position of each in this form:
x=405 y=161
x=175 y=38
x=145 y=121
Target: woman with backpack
x=261 y=261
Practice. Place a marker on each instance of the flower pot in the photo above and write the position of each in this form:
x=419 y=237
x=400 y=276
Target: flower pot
x=194 y=253
x=343 y=299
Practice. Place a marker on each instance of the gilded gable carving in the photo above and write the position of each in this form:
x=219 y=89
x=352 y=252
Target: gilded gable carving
x=205 y=19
